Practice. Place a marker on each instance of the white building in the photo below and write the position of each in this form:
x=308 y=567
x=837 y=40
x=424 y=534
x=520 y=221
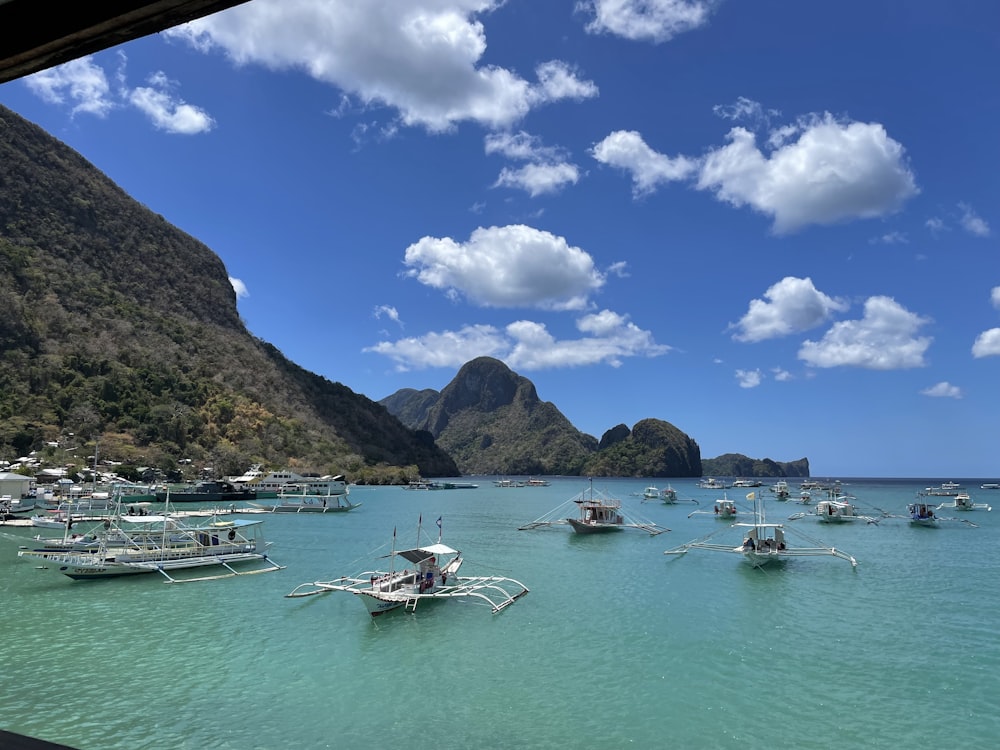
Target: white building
x=15 y=485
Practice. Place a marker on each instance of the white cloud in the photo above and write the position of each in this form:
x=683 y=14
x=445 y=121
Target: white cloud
x=387 y=311
x=781 y=375
x=537 y=179
x=547 y=172
x=987 y=344
x=625 y=149
x=86 y=85
x=794 y=305
x=995 y=297
x=510 y=266
x=890 y=238
x=746 y=110
x=166 y=111
x=444 y=349
x=526 y=345
x=421 y=58
x=652 y=20
x=935 y=224
x=972 y=223
x=239 y=287
x=944 y=389
x=834 y=172
x=885 y=339
x=748 y=378
x=816 y=171
x=80 y=81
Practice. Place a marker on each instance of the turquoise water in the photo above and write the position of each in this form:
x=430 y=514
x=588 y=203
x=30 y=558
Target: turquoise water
x=616 y=645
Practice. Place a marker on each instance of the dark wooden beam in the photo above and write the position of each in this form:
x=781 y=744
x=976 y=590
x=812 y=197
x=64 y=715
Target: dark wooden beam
x=39 y=34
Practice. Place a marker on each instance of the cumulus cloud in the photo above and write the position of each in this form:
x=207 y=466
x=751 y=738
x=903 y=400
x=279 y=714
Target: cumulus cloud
x=85 y=84
x=971 y=222
x=166 y=111
x=509 y=266
x=607 y=338
x=547 y=170
x=781 y=375
x=817 y=170
x=884 y=339
x=626 y=150
x=995 y=297
x=645 y=20
x=421 y=58
x=833 y=172
x=537 y=179
x=239 y=287
x=443 y=349
x=80 y=83
x=944 y=389
x=748 y=378
x=987 y=344
x=793 y=305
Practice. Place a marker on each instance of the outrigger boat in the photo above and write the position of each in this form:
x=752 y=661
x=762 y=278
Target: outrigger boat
x=963 y=501
x=130 y=545
x=433 y=575
x=723 y=508
x=835 y=511
x=598 y=513
x=763 y=542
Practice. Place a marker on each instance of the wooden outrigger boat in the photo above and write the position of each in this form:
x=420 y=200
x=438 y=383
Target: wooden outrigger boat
x=135 y=544
x=723 y=508
x=835 y=511
x=597 y=513
x=763 y=543
x=433 y=576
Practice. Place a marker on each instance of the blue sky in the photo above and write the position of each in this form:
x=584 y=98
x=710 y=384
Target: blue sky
x=771 y=224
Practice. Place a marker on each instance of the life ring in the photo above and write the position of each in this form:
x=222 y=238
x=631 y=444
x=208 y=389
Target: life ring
x=232 y=534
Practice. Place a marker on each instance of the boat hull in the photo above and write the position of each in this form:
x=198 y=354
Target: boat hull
x=592 y=527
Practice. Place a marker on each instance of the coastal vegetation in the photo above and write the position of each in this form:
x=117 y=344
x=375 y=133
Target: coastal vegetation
x=120 y=330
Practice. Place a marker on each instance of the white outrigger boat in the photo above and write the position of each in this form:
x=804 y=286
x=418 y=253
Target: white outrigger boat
x=597 y=513
x=835 y=511
x=723 y=508
x=433 y=575
x=763 y=542
x=963 y=501
x=135 y=544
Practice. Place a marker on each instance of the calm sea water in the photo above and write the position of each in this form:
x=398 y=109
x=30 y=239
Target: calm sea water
x=616 y=645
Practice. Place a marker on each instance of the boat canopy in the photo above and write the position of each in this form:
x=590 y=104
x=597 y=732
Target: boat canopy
x=419 y=554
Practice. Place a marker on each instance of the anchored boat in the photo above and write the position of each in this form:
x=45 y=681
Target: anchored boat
x=762 y=542
x=430 y=572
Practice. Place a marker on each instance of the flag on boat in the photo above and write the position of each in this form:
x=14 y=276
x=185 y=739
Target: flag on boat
x=438 y=522
x=749 y=496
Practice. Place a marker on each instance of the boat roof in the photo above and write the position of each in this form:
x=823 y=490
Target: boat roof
x=417 y=554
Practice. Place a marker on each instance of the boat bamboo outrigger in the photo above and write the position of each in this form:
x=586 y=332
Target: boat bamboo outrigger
x=133 y=544
x=597 y=512
x=723 y=508
x=963 y=501
x=433 y=575
x=763 y=542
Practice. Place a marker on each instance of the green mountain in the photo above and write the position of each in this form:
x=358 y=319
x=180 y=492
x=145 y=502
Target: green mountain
x=652 y=448
x=737 y=465
x=491 y=421
x=120 y=330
